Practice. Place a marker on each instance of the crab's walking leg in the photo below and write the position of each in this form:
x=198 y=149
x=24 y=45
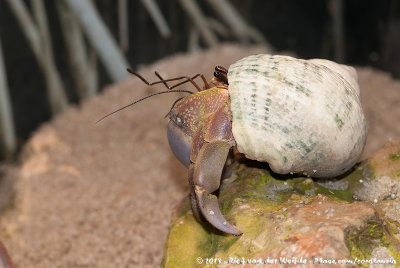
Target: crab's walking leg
x=206 y=180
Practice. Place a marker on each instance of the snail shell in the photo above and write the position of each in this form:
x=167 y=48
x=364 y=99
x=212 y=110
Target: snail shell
x=300 y=116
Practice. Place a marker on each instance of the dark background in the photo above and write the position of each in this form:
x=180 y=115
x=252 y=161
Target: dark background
x=371 y=37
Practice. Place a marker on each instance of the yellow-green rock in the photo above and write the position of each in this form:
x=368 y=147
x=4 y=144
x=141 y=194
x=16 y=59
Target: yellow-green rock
x=289 y=219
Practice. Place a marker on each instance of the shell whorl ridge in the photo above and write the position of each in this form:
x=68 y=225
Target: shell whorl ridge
x=300 y=116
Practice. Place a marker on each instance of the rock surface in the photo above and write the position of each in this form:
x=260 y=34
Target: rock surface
x=297 y=219
x=101 y=195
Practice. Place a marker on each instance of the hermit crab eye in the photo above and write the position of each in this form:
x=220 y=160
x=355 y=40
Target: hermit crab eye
x=179 y=121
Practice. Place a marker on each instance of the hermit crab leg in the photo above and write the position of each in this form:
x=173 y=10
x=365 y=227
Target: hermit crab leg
x=206 y=180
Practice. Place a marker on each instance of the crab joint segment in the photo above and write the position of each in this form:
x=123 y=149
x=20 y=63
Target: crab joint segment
x=206 y=180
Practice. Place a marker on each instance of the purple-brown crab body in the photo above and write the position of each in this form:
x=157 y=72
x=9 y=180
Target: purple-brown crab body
x=200 y=135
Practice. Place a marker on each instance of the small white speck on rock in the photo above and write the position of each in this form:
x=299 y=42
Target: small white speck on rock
x=211 y=213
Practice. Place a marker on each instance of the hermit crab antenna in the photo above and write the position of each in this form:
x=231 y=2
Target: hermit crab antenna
x=139 y=100
x=188 y=79
x=164 y=81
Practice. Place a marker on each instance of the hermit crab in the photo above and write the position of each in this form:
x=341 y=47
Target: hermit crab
x=299 y=116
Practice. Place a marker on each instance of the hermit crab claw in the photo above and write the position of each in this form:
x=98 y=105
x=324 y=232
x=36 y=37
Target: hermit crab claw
x=206 y=178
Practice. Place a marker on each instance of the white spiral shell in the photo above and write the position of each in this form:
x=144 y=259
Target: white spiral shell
x=300 y=116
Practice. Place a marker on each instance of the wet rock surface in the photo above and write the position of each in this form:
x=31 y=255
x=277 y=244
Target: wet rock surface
x=298 y=219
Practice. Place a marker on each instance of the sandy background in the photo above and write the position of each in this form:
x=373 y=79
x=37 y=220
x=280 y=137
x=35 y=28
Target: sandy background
x=101 y=195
